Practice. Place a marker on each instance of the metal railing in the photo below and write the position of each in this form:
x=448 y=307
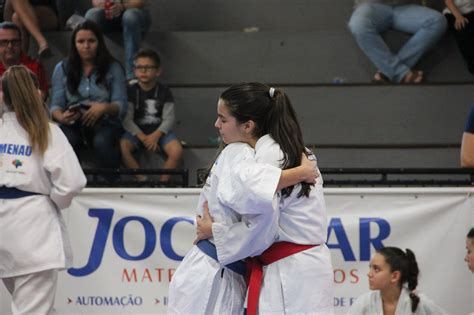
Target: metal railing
x=398 y=176
x=99 y=177
x=334 y=177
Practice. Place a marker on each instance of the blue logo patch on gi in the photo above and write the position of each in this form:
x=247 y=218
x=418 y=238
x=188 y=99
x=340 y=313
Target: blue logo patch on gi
x=17 y=163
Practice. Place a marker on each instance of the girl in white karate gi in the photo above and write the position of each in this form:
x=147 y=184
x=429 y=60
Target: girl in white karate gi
x=393 y=277
x=201 y=284
x=39 y=176
x=302 y=282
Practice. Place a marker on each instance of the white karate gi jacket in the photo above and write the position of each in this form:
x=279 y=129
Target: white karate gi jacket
x=33 y=235
x=301 y=283
x=238 y=191
x=371 y=303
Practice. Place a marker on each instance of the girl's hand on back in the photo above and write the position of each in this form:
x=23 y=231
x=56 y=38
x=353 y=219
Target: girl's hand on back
x=204 y=225
x=310 y=169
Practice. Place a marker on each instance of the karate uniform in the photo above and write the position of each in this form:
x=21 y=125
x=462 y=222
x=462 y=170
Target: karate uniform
x=371 y=303
x=301 y=283
x=33 y=236
x=238 y=191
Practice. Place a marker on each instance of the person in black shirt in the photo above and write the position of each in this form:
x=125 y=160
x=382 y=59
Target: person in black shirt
x=150 y=117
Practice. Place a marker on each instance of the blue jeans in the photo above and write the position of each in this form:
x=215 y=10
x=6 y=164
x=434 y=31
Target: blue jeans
x=369 y=20
x=134 y=23
x=103 y=139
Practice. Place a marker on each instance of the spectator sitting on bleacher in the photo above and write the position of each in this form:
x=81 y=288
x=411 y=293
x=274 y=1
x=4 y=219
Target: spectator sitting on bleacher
x=467 y=144
x=11 y=55
x=460 y=16
x=130 y=16
x=150 y=116
x=89 y=96
x=33 y=16
x=373 y=17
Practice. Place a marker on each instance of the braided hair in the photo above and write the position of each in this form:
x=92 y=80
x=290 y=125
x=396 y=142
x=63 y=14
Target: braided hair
x=405 y=263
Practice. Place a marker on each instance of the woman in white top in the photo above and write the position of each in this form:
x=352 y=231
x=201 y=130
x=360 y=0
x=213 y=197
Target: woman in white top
x=300 y=281
x=39 y=176
x=393 y=277
x=460 y=16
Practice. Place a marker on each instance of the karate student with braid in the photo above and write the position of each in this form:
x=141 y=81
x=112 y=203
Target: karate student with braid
x=393 y=278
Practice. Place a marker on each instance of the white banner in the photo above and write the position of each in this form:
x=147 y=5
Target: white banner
x=128 y=242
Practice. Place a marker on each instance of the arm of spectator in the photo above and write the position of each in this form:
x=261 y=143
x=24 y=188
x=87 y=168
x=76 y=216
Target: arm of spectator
x=65 y=117
x=461 y=21
x=58 y=97
x=58 y=103
x=128 y=123
x=118 y=91
x=97 y=110
x=130 y=126
x=167 y=117
x=467 y=150
x=151 y=140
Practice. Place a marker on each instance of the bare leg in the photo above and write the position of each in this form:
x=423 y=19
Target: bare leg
x=27 y=15
x=174 y=152
x=8 y=11
x=128 y=160
x=25 y=36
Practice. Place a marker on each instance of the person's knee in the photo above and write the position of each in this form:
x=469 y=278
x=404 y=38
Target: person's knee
x=361 y=19
x=95 y=14
x=131 y=18
x=437 y=22
x=126 y=146
x=72 y=136
x=105 y=141
x=174 y=150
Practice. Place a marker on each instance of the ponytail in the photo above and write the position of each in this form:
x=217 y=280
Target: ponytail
x=282 y=124
x=21 y=95
x=406 y=264
x=271 y=111
x=412 y=279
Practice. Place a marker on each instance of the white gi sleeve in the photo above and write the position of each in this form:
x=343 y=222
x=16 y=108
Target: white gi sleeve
x=66 y=175
x=249 y=187
x=247 y=238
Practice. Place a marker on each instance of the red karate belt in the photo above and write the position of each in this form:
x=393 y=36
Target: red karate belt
x=255 y=265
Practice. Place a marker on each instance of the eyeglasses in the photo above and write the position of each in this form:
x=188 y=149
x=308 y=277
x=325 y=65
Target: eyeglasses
x=13 y=42
x=145 y=68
